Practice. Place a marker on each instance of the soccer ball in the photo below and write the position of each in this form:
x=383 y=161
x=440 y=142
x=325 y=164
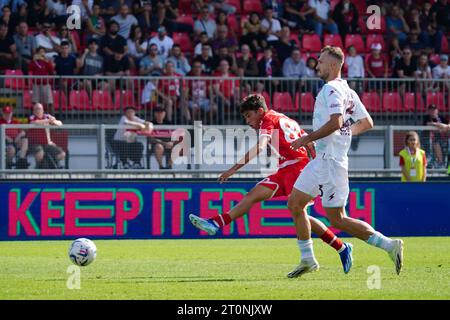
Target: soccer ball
x=82 y=252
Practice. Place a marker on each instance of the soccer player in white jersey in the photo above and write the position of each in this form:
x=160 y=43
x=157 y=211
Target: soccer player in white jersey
x=338 y=114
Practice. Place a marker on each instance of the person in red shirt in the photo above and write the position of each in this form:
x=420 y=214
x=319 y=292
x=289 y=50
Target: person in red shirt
x=173 y=89
x=200 y=93
x=377 y=66
x=226 y=89
x=15 y=140
x=277 y=131
x=42 y=90
x=40 y=139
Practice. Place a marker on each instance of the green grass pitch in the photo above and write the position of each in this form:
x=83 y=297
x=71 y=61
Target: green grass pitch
x=221 y=269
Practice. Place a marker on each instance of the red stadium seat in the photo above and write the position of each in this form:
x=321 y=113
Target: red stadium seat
x=282 y=101
x=333 y=4
x=362 y=25
x=306 y=55
x=266 y=98
x=372 y=102
x=294 y=36
x=233 y=24
x=79 y=100
x=27 y=99
x=356 y=41
x=361 y=6
x=124 y=98
x=438 y=99
x=333 y=40
x=236 y=4
x=250 y=6
x=186 y=19
x=392 y=102
x=60 y=100
x=410 y=104
x=16 y=83
x=184 y=41
x=304 y=101
x=375 y=38
x=435 y=58
x=311 y=43
x=101 y=100
x=185 y=6
x=444 y=45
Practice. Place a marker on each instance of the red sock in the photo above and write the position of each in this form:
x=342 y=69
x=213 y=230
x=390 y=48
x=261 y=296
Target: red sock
x=331 y=239
x=221 y=220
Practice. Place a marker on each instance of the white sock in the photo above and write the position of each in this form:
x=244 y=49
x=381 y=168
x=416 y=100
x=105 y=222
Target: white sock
x=306 y=249
x=380 y=241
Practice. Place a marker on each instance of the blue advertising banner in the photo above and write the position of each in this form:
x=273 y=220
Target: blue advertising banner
x=159 y=210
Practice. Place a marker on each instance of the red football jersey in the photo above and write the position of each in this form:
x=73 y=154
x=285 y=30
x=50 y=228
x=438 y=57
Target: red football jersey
x=283 y=131
x=12 y=133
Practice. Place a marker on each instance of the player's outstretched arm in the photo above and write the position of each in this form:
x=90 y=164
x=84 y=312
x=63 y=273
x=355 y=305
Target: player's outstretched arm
x=362 y=126
x=336 y=121
x=252 y=153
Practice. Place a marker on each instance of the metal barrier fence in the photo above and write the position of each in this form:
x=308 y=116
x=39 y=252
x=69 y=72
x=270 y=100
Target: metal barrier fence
x=212 y=100
x=196 y=151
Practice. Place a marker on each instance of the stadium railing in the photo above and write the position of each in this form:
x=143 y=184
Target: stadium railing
x=200 y=151
x=91 y=100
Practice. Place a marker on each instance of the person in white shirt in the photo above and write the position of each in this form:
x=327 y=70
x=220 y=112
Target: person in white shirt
x=338 y=114
x=355 y=68
x=198 y=47
x=47 y=41
x=205 y=24
x=163 y=42
x=270 y=25
x=322 y=19
x=125 y=21
x=85 y=6
x=442 y=71
x=294 y=66
x=179 y=61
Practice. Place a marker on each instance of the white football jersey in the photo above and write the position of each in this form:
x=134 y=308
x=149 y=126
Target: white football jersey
x=337 y=97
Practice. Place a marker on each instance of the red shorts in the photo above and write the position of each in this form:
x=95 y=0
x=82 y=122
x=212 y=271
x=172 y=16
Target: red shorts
x=283 y=180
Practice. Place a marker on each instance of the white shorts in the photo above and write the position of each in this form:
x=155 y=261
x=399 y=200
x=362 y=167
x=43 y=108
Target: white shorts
x=326 y=178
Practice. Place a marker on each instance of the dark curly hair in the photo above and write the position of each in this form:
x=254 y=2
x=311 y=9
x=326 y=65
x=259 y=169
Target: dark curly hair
x=253 y=102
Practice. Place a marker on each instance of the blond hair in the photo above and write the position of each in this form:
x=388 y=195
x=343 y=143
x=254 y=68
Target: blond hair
x=335 y=52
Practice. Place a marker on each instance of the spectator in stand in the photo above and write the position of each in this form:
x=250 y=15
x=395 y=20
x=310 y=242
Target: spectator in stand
x=285 y=45
x=405 y=69
x=16 y=141
x=222 y=20
x=312 y=86
x=414 y=43
x=65 y=35
x=37 y=13
x=20 y=12
x=300 y=15
x=205 y=24
x=8 y=20
x=223 y=40
x=109 y=8
x=47 y=154
x=42 y=66
x=125 y=143
x=58 y=11
x=224 y=53
x=322 y=17
x=206 y=60
x=270 y=26
x=440 y=12
x=436 y=143
x=146 y=19
x=253 y=34
x=168 y=14
x=172 y=89
x=180 y=62
x=294 y=66
x=226 y=90
x=113 y=42
x=8 y=53
x=86 y=8
x=96 y=27
x=125 y=21
x=355 y=68
x=200 y=95
x=221 y=5
x=152 y=64
x=396 y=25
x=26 y=46
x=66 y=65
x=346 y=16
x=277 y=6
x=137 y=46
x=376 y=66
x=162 y=144
x=269 y=67
x=46 y=40
x=203 y=41
x=163 y=42
x=118 y=65
x=246 y=64
x=91 y=64
x=423 y=74
x=442 y=71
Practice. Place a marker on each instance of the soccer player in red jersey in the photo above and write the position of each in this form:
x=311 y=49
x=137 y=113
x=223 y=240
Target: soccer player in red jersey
x=273 y=125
